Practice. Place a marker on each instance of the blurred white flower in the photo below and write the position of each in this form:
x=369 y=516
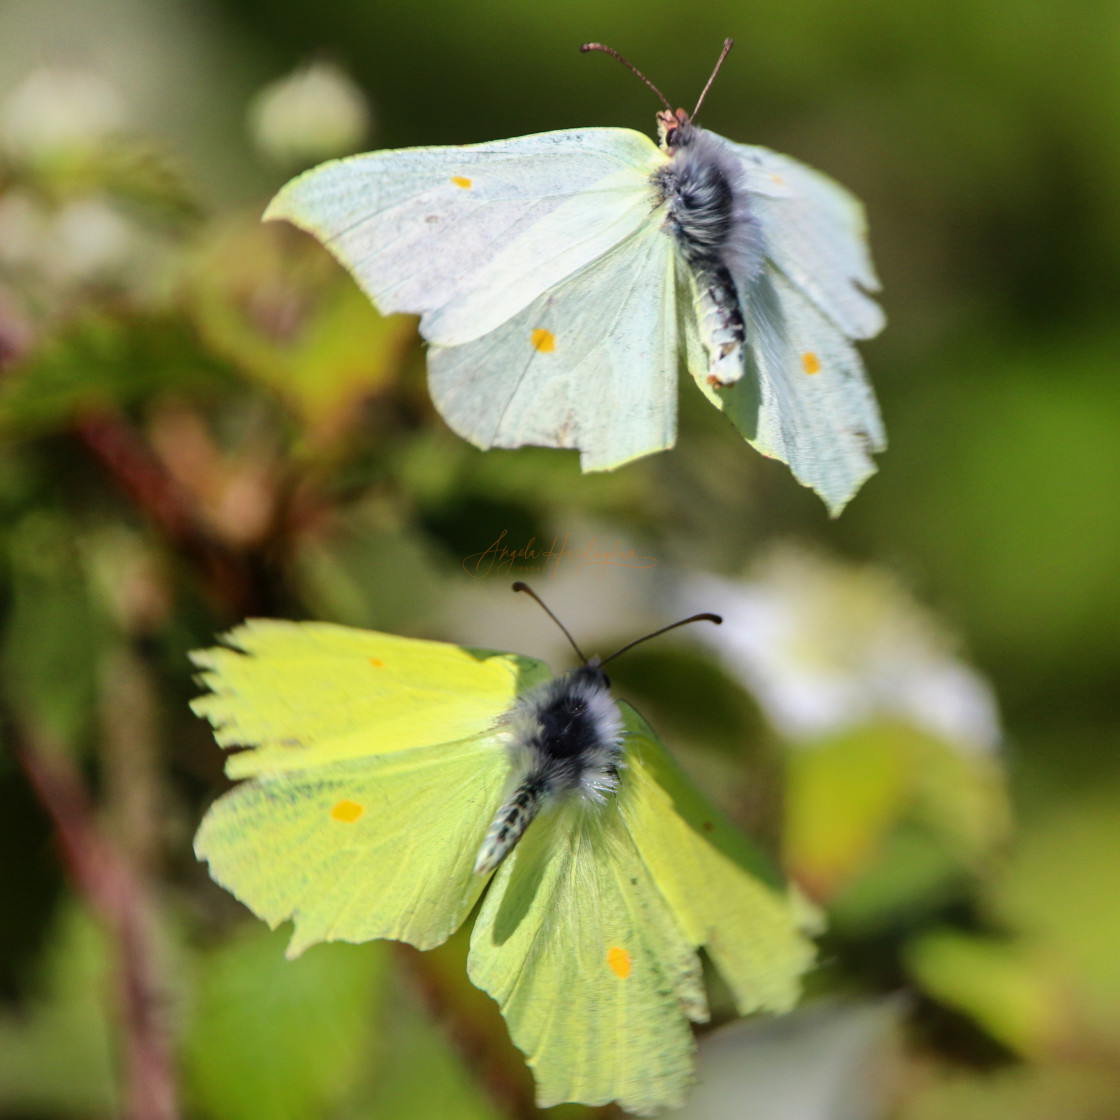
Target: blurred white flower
x=58 y=249
x=91 y=240
x=58 y=113
x=825 y=647
x=314 y=113
x=23 y=226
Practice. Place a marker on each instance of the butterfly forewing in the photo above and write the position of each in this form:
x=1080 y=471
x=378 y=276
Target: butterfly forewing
x=727 y=898
x=303 y=694
x=425 y=229
x=816 y=236
x=573 y=236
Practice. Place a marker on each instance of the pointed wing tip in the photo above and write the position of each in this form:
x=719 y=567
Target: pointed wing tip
x=280 y=208
x=594 y=463
x=837 y=500
x=837 y=505
x=286 y=204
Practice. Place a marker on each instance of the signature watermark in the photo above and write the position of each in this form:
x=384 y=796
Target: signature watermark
x=504 y=557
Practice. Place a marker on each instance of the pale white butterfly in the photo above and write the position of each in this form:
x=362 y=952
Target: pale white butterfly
x=560 y=276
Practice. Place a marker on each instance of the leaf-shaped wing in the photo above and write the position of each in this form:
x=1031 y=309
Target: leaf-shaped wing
x=376 y=765
x=360 y=848
x=588 y=965
x=306 y=693
x=720 y=889
x=590 y=364
x=470 y=235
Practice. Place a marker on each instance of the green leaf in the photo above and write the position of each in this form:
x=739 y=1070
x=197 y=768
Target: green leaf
x=100 y=362
x=54 y=636
x=273 y=1039
x=58 y=1051
x=998 y=983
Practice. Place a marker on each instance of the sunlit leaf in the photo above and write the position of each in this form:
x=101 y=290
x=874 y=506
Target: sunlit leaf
x=1011 y=992
x=286 y=316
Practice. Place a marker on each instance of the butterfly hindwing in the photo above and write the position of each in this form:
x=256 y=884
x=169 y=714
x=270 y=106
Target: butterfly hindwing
x=593 y=975
x=805 y=398
x=588 y=938
x=591 y=364
x=360 y=848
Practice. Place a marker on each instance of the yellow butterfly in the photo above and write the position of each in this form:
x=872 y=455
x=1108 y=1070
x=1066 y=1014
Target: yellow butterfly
x=391 y=781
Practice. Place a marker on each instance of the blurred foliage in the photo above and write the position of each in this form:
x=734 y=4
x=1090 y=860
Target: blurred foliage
x=201 y=418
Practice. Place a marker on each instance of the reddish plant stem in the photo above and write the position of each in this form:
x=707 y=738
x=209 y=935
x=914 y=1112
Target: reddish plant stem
x=140 y=475
x=117 y=894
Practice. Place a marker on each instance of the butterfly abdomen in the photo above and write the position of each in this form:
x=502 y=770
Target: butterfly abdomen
x=510 y=822
x=566 y=737
x=710 y=219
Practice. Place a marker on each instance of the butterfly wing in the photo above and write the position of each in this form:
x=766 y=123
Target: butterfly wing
x=305 y=693
x=805 y=399
x=543 y=281
x=374 y=773
x=816 y=235
x=589 y=967
x=725 y=896
x=468 y=236
x=590 y=364
x=588 y=936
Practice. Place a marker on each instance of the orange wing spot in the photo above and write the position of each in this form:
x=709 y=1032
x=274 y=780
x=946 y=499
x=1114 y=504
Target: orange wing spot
x=347 y=811
x=778 y=179
x=619 y=961
x=462 y=181
x=810 y=363
x=544 y=341
x=377 y=663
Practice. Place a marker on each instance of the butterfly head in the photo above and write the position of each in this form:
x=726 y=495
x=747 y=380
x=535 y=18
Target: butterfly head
x=592 y=672
x=565 y=735
x=674 y=130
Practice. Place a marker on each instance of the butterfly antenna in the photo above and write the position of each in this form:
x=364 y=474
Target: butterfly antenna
x=519 y=586
x=707 y=616
x=614 y=54
x=727 y=45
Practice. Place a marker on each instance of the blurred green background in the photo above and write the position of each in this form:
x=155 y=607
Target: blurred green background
x=201 y=418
